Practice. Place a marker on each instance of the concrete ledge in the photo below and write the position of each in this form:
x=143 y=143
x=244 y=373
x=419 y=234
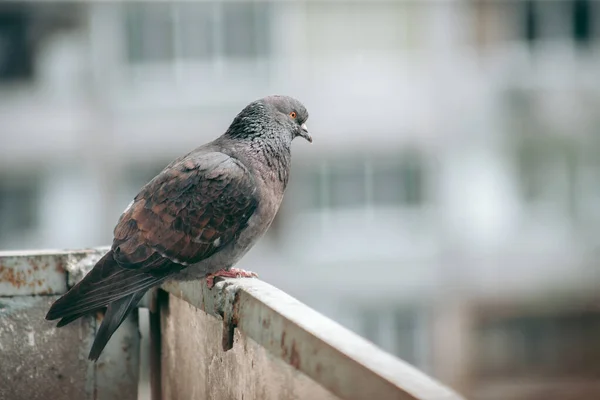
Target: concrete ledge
x=343 y=363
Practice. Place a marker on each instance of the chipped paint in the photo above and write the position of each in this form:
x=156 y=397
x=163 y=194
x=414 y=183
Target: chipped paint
x=43 y=273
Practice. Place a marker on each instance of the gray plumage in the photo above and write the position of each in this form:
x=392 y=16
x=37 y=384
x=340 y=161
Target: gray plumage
x=200 y=215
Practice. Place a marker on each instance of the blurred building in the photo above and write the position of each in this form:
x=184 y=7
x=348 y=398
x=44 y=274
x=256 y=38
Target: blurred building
x=449 y=209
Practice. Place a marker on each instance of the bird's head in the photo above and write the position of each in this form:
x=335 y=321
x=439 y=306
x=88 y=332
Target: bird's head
x=265 y=118
x=291 y=113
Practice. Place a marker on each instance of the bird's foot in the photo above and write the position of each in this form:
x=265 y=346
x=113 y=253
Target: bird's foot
x=229 y=273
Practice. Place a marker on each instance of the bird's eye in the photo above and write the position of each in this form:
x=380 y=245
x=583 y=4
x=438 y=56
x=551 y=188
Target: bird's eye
x=293 y=114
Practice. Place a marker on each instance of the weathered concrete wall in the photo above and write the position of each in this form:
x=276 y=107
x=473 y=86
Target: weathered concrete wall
x=36 y=363
x=194 y=365
x=39 y=361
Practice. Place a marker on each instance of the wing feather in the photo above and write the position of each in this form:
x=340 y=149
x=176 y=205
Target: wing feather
x=186 y=214
x=193 y=208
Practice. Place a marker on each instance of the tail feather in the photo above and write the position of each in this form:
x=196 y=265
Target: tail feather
x=81 y=303
x=106 y=285
x=116 y=313
x=67 y=320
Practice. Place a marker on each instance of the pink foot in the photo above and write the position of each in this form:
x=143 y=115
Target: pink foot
x=230 y=273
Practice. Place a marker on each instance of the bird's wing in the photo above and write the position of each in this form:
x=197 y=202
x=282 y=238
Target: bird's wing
x=186 y=214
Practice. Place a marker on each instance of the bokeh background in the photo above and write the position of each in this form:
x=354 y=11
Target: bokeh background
x=448 y=209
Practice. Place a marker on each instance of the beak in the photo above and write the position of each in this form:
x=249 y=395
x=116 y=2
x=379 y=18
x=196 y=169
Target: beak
x=304 y=133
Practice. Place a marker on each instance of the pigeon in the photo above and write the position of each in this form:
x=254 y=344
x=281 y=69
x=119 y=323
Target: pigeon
x=194 y=220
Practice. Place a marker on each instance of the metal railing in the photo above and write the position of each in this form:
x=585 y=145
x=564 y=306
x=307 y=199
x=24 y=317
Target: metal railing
x=242 y=339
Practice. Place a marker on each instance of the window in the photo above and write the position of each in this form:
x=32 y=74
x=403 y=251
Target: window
x=399 y=183
x=543 y=20
x=538 y=344
x=339 y=184
x=244 y=28
x=582 y=21
x=399 y=330
x=530 y=21
x=347 y=187
x=197 y=33
x=588 y=185
x=19 y=207
x=201 y=31
x=547 y=169
x=407 y=331
x=346 y=27
x=150 y=32
x=386 y=189
x=16 y=58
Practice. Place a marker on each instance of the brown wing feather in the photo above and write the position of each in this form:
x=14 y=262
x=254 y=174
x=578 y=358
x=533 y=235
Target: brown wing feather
x=173 y=222
x=185 y=214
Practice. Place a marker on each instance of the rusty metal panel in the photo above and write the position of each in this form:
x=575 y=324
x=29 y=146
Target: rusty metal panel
x=194 y=365
x=29 y=275
x=340 y=361
x=39 y=361
x=43 y=272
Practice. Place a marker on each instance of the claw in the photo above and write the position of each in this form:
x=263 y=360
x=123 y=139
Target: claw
x=230 y=273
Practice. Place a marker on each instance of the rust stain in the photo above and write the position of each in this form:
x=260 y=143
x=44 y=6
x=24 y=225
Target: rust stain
x=15 y=278
x=295 y=356
x=38 y=263
x=60 y=267
x=266 y=323
x=292 y=353
x=319 y=369
x=283 y=341
x=27 y=278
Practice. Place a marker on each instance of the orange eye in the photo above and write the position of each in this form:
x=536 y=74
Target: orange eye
x=293 y=114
